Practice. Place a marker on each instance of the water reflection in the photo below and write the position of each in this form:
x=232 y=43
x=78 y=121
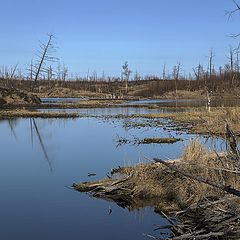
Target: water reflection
x=34 y=131
x=34 y=126
x=12 y=124
x=35 y=202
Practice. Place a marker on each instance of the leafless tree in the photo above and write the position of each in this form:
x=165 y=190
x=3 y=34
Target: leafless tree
x=13 y=71
x=210 y=64
x=50 y=73
x=137 y=77
x=126 y=72
x=44 y=55
x=232 y=12
x=236 y=64
x=176 y=72
x=231 y=64
x=164 y=72
x=62 y=72
x=198 y=72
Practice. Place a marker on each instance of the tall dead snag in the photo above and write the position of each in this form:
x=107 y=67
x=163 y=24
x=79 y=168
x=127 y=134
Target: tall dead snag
x=237 y=59
x=164 y=72
x=210 y=66
x=231 y=63
x=208 y=80
x=126 y=72
x=44 y=55
x=176 y=72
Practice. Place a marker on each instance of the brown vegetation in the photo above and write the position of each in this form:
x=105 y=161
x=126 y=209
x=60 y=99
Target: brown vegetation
x=14 y=96
x=155 y=140
x=224 y=82
x=194 y=188
x=202 y=121
x=22 y=113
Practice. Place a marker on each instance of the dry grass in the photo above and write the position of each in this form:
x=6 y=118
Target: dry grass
x=22 y=113
x=167 y=189
x=67 y=92
x=183 y=94
x=159 y=140
x=203 y=121
x=201 y=209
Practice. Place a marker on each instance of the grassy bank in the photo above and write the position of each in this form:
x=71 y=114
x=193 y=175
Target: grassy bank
x=100 y=103
x=22 y=113
x=194 y=190
x=201 y=121
x=155 y=140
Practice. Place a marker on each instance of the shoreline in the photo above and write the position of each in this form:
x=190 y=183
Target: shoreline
x=22 y=113
x=193 y=193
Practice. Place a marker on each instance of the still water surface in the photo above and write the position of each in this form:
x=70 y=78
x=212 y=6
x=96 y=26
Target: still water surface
x=37 y=166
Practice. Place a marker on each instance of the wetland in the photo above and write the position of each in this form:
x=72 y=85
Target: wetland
x=43 y=157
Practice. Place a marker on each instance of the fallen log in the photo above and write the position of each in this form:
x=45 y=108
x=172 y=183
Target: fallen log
x=224 y=188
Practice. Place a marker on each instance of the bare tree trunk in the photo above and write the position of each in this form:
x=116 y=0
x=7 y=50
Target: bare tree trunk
x=211 y=64
x=45 y=50
x=164 y=72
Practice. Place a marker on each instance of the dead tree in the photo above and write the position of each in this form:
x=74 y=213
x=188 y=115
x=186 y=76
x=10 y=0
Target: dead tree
x=164 y=72
x=199 y=73
x=237 y=59
x=176 y=72
x=231 y=63
x=137 y=77
x=44 y=55
x=13 y=71
x=210 y=64
x=126 y=72
x=231 y=13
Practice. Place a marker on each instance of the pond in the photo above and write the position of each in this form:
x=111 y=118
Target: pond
x=215 y=102
x=62 y=100
x=41 y=158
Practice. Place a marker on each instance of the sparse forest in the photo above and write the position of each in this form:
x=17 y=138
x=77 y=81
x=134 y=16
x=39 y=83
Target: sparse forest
x=215 y=81
x=46 y=74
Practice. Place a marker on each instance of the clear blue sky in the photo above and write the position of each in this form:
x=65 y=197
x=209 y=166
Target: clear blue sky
x=101 y=34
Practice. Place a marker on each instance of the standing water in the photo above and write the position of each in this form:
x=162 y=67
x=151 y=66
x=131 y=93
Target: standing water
x=41 y=158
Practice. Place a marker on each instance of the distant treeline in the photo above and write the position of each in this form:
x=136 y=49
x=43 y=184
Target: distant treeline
x=225 y=79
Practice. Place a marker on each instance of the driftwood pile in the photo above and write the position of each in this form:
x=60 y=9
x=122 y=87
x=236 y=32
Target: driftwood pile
x=210 y=220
